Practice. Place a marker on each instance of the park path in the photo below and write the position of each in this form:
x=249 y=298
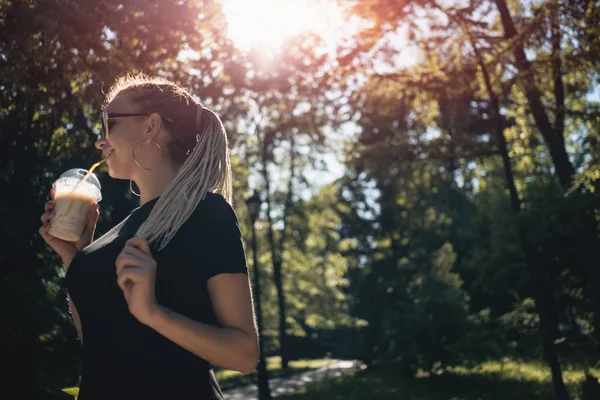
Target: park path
x=291 y=384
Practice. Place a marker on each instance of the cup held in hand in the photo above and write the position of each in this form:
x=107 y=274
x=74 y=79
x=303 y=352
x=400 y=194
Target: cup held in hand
x=73 y=198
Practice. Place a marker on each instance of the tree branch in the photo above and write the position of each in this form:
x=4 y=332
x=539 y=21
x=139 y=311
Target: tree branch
x=559 y=88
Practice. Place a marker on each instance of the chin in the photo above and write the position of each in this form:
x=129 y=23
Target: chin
x=117 y=173
x=114 y=173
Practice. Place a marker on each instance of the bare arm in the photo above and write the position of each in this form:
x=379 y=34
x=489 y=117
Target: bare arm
x=233 y=344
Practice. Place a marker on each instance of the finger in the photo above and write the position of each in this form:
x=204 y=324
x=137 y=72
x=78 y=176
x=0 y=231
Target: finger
x=49 y=206
x=126 y=276
x=140 y=243
x=129 y=249
x=94 y=209
x=93 y=215
x=129 y=274
x=43 y=231
x=127 y=260
x=52 y=193
x=144 y=259
x=45 y=218
x=132 y=257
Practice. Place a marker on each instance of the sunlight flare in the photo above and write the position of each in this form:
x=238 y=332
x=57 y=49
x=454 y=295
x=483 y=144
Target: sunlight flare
x=266 y=24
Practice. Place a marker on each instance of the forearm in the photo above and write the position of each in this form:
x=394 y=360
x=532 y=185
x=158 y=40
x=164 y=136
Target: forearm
x=229 y=348
x=67 y=261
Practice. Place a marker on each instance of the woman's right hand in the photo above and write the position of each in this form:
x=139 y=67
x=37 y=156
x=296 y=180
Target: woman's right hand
x=68 y=250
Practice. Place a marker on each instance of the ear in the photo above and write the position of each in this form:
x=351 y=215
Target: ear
x=154 y=126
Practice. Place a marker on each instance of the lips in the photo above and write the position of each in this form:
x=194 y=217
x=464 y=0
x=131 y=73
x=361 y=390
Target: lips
x=106 y=155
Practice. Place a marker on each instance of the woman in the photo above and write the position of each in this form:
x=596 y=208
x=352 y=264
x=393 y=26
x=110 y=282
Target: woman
x=164 y=294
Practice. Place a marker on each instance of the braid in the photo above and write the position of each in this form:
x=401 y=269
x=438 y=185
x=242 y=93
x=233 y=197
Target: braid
x=206 y=168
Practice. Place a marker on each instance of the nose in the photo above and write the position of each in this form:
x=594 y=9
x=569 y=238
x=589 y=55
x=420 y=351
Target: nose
x=100 y=143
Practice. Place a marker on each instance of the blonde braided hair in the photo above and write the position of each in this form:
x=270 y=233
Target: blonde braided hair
x=206 y=168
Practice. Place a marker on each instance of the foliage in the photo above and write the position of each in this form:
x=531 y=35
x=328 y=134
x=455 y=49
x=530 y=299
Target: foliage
x=416 y=256
x=491 y=380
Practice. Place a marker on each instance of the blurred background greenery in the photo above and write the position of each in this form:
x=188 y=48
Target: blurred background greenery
x=427 y=170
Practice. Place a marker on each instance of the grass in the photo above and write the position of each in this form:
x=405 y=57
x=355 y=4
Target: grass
x=507 y=379
x=494 y=380
x=73 y=391
x=227 y=378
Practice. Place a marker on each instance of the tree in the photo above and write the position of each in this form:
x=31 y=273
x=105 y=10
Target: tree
x=56 y=57
x=284 y=129
x=453 y=33
x=554 y=133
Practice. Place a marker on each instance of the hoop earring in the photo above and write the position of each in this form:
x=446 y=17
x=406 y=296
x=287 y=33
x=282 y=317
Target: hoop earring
x=131 y=188
x=138 y=163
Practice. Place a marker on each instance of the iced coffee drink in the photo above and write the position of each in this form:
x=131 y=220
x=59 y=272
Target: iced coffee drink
x=73 y=199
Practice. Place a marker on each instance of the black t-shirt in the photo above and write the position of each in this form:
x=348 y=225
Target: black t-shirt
x=124 y=359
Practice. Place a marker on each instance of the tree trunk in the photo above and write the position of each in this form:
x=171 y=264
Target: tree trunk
x=553 y=137
x=544 y=305
x=277 y=274
x=588 y=246
x=542 y=290
x=282 y=314
x=264 y=391
x=277 y=266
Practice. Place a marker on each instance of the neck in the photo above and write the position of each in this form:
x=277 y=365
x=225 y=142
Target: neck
x=152 y=184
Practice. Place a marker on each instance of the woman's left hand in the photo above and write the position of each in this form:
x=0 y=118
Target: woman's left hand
x=136 y=276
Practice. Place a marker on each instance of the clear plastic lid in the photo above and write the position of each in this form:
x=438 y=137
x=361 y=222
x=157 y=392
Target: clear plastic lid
x=70 y=179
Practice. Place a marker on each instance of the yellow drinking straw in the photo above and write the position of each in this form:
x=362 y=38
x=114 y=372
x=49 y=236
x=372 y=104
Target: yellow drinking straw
x=80 y=182
x=90 y=172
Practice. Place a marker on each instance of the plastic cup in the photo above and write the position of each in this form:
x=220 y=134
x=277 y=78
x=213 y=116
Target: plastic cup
x=72 y=206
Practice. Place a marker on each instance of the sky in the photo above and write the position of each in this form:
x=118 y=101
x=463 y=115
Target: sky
x=265 y=24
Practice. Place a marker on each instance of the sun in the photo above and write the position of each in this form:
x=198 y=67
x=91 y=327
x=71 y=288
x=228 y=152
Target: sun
x=265 y=24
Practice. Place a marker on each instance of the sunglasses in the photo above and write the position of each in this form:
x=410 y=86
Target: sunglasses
x=108 y=116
